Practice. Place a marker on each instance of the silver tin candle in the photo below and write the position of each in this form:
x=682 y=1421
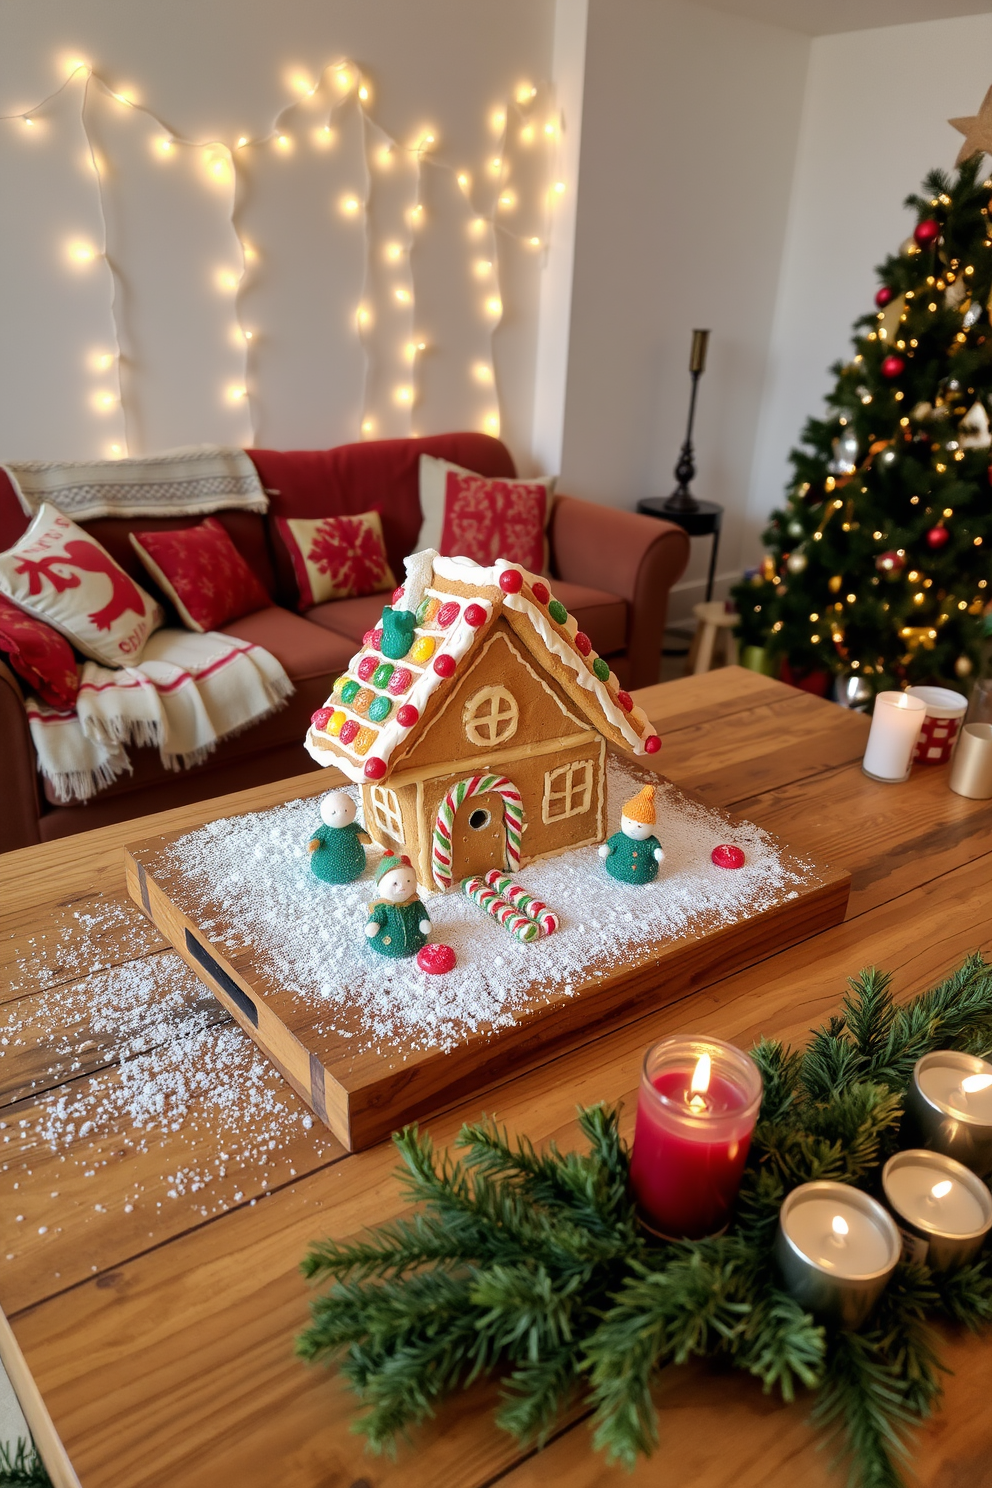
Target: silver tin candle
x=949 y=1107
x=943 y=1210
x=836 y=1248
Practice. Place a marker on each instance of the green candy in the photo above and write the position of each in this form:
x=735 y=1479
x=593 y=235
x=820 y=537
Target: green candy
x=381 y=676
x=379 y=708
x=557 y=611
x=350 y=691
x=601 y=669
x=422 y=611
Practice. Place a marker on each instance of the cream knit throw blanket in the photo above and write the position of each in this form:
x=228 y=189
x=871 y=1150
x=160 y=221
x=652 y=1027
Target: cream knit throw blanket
x=186 y=694
x=179 y=483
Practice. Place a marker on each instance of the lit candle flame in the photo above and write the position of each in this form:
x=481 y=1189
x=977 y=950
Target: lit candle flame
x=839 y=1225
x=971 y=1083
x=700 y=1082
x=942 y=1189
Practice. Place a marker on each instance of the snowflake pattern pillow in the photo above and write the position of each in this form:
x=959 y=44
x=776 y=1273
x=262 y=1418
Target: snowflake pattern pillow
x=40 y=655
x=482 y=517
x=337 y=557
x=60 y=574
x=203 y=574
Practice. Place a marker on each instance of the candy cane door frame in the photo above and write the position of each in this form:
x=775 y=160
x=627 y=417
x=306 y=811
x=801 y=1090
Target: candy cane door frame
x=478 y=836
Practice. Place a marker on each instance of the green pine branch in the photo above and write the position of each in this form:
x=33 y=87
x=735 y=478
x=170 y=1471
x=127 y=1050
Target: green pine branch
x=22 y=1467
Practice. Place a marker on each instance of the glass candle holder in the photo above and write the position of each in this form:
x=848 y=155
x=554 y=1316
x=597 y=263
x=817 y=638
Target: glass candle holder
x=895 y=728
x=949 y=1107
x=698 y=1101
x=943 y=1209
x=836 y=1248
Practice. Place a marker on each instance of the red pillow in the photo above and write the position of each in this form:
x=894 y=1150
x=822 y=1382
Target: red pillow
x=484 y=518
x=336 y=557
x=40 y=655
x=202 y=572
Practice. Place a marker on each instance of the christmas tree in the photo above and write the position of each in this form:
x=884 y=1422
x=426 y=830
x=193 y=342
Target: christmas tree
x=878 y=566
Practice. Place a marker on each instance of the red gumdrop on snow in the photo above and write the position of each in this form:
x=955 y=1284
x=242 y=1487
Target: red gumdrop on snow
x=625 y=700
x=407 y=715
x=541 y=592
x=582 y=642
x=475 y=616
x=727 y=856
x=927 y=232
x=652 y=744
x=320 y=718
x=511 y=581
x=445 y=665
x=375 y=768
x=397 y=595
x=436 y=959
x=883 y=297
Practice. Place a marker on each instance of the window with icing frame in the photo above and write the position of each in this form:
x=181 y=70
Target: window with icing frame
x=491 y=716
x=568 y=791
x=386 y=810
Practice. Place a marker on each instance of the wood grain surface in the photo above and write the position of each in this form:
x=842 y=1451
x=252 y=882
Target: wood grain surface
x=159 y=1341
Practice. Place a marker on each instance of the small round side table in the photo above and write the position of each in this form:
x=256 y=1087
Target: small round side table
x=703 y=522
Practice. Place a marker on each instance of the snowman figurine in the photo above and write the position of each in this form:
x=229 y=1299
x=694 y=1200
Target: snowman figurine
x=336 y=852
x=632 y=855
x=398 y=924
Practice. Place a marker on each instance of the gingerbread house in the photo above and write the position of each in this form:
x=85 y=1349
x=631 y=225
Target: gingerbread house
x=476 y=718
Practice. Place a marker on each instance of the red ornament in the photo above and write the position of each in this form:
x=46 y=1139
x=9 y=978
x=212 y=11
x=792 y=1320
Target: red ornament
x=511 y=581
x=883 y=296
x=320 y=718
x=652 y=744
x=541 y=592
x=892 y=366
x=436 y=959
x=727 y=856
x=445 y=665
x=937 y=537
x=891 y=562
x=397 y=595
x=366 y=667
x=625 y=700
x=407 y=716
x=374 y=768
x=448 y=614
x=582 y=643
x=927 y=232
x=475 y=616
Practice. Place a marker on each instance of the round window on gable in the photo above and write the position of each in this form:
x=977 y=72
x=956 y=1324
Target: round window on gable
x=491 y=716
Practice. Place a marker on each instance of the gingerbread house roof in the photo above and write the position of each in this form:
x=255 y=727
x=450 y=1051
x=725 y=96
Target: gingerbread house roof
x=380 y=706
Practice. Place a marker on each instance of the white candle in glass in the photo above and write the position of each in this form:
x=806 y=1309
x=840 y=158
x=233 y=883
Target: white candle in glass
x=895 y=728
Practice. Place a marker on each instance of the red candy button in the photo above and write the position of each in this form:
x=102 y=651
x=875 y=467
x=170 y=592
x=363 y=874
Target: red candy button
x=348 y=731
x=367 y=637
x=448 y=614
x=727 y=856
x=475 y=616
x=320 y=718
x=436 y=959
x=625 y=700
x=541 y=592
x=397 y=595
x=511 y=581
x=407 y=716
x=582 y=643
x=652 y=744
x=376 y=640
x=367 y=666
x=445 y=665
x=399 y=681
x=374 y=768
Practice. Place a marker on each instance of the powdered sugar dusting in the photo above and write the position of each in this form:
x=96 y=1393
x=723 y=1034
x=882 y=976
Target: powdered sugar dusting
x=246 y=882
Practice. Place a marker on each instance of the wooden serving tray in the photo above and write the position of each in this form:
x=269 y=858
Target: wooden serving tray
x=365 y=1094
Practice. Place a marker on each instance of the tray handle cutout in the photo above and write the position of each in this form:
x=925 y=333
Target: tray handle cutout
x=203 y=958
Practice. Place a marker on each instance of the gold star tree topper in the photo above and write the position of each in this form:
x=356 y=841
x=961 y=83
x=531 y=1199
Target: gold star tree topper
x=977 y=131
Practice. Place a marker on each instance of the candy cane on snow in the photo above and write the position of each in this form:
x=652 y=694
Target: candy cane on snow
x=504 y=914
x=514 y=894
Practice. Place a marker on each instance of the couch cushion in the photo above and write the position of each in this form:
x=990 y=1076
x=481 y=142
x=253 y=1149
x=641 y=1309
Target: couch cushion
x=245 y=529
x=380 y=474
x=350 y=617
x=305 y=650
x=602 y=616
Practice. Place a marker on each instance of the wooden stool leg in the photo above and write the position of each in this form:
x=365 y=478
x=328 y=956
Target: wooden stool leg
x=704 y=656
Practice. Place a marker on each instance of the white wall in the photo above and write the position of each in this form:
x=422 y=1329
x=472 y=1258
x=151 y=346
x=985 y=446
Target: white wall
x=874 y=124
x=690 y=119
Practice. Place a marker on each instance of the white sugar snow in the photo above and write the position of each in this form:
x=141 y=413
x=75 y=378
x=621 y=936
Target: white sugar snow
x=246 y=881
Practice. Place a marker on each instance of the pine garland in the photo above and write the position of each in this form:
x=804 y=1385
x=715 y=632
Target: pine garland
x=533 y=1265
x=21 y=1467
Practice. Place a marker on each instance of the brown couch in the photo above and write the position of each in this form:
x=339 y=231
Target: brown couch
x=612 y=569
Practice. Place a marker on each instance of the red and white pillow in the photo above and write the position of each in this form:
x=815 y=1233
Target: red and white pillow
x=337 y=557
x=61 y=575
x=40 y=655
x=483 y=517
x=201 y=571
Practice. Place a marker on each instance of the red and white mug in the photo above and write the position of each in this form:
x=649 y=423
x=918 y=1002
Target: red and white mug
x=945 y=714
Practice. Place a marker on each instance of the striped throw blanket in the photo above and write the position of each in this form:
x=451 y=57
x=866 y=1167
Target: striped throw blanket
x=179 y=483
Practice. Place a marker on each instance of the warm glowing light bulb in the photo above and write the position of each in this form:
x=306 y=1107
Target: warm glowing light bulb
x=28 y=123
x=700 y=1082
x=534 y=242
x=126 y=96
x=242 y=141
x=102 y=361
x=463 y=180
x=971 y=1083
x=70 y=65
x=839 y=1225
x=82 y=253
x=477 y=226
x=559 y=188
x=300 y=83
x=527 y=134
x=404 y=394
x=164 y=146
x=393 y=251
x=114 y=451
x=324 y=137
x=494 y=305
x=344 y=79
x=250 y=252
x=402 y=295
x=367 y=426
x=526 y=92
x=350 y=205
x=385 y=155
x=363 y=93
x=104 y=401
x=249 y=335
x=496 y=165
x=508 y=200
x=362 y=315
x=550 y=128
x=227 y=279
x=236 y=392
x=942 y=1189
x=481 y=267
x=497 y=119
x=491 y=423
x=482 y=372
x=283 y=142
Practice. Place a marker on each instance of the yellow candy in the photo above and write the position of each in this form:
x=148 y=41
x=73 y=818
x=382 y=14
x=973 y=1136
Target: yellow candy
x=360 y=702
x=422 y=649
x=363 y=739
x=337 y=719
x=339 y=683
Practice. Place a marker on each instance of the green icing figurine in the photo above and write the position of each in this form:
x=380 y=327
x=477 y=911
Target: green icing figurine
x=336 y=852
x=397 y=632
x=397 y=924
x=632 y=855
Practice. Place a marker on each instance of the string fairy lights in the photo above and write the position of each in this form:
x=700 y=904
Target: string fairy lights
x=530 y=120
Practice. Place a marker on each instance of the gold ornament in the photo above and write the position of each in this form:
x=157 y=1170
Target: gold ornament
x=768 y=569
x=834 y=583
x=977 y=131
x=963 y=666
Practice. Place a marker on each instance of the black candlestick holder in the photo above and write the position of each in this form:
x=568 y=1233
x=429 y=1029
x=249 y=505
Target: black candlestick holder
x=682 y=499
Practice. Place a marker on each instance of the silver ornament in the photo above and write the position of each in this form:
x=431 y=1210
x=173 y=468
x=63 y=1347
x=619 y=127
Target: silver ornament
x=972 y=315
x=974 y=428
x=845 y=454
x=852 y=691
x=796 y=562
x=795 y=529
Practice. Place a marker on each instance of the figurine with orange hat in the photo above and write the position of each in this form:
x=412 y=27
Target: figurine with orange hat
x=632 y=855
x=398 y=924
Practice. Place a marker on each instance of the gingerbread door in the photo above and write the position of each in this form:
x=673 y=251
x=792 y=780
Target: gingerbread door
x=478 y=836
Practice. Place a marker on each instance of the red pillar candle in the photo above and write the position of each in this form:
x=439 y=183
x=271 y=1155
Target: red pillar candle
x=698 y=1102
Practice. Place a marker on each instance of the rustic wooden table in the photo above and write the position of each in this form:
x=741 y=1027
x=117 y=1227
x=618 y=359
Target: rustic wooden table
x=149 y=1334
